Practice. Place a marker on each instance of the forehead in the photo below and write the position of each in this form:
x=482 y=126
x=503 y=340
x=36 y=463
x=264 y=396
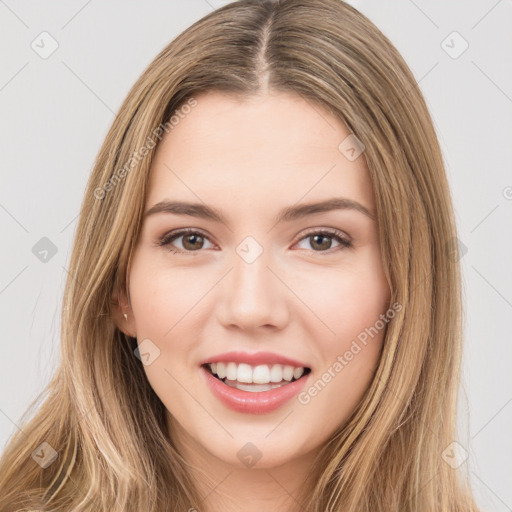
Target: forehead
x=275 y=148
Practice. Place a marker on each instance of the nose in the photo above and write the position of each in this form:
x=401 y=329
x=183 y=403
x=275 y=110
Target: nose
x=253 y=296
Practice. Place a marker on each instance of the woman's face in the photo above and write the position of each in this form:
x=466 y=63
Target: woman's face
x=263 y=276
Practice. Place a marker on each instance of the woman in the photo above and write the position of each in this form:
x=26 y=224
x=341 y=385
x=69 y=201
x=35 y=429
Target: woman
x=212 y=358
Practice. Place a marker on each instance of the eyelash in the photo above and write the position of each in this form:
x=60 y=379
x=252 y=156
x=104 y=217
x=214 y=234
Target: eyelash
x=170 y=237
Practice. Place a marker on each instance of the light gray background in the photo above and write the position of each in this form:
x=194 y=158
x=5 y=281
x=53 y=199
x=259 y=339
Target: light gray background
x=56 y=111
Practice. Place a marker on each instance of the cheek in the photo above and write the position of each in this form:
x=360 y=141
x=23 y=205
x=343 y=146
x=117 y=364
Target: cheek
x=351 y=306
x=162 y=295
x=348 y=299
x=166 y=303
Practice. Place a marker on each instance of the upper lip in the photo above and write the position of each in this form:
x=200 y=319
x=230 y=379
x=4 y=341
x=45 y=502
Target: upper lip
x=254 y=359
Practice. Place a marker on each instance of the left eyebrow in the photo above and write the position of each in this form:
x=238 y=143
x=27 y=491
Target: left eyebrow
x=288 y=214
x=337 y=203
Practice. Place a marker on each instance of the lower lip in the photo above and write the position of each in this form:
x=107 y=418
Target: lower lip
x=253 y=402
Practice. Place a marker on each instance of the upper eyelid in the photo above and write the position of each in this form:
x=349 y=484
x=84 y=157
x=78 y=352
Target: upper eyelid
x=178 y=233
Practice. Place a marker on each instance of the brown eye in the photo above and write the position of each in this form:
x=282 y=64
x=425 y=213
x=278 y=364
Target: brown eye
x=193 y=241
x=321 y=241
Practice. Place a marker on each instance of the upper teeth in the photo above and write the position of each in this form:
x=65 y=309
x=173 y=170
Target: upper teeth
x=261 y=374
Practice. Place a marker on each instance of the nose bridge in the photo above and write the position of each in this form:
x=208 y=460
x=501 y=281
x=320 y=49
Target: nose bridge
x=252 y=295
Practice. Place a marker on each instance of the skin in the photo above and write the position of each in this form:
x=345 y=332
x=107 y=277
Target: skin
x=249 y=159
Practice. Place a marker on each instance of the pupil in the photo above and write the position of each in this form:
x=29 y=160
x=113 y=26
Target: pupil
x=194 y=239
x=325 y=245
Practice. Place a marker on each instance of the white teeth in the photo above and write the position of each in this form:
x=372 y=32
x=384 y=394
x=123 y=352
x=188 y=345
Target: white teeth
x=221 y=370
x=261 y=374
x=288 y=373
x=231 y=371
x=297 y=373
x=244 y=373
x=276 y=373
x=253 y=388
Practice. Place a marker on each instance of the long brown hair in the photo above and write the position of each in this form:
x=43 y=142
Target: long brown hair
x=99 y=413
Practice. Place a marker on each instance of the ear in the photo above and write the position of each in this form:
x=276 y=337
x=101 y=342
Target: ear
x=120 y=306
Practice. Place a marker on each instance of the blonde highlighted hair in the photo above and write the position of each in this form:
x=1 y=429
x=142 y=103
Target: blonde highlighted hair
x=99 y=412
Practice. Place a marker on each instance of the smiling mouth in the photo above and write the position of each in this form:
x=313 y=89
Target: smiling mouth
x=255 y=387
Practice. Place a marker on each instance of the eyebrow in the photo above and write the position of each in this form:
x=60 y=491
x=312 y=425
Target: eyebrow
x=288 y=214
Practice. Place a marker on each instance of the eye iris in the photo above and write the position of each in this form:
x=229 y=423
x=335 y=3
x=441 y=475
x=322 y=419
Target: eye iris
x=194 y=237
x=322 y=246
